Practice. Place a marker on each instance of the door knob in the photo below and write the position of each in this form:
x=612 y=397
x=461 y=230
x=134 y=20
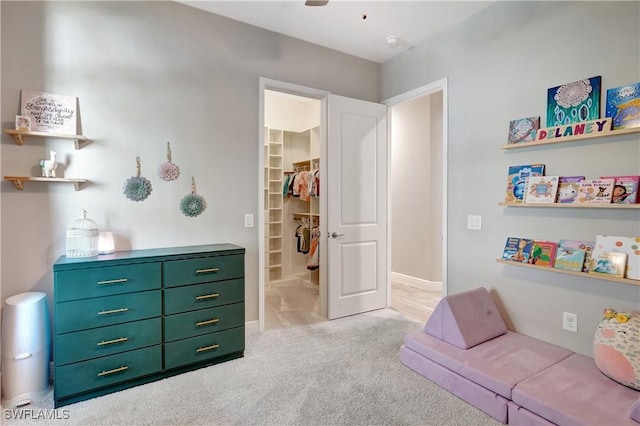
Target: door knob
x=335 y=235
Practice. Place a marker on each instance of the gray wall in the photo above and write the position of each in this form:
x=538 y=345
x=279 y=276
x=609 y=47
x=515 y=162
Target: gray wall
x=416 y=188
x=499 y=65
x=146 y=73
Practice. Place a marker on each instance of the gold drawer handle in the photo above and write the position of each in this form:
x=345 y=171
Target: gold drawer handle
x=111 y=342
x=211 y=321
x=207 y=348
x=115 y=370
x=113 y=311
x=206 y=271
x=119 y=280
x=207 y=296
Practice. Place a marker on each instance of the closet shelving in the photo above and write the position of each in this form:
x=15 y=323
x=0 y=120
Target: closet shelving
x=636 y=206
x=273 y=150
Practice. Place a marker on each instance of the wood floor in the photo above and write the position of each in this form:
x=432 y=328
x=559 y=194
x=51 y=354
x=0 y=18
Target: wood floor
x=413 y=303
x=295 y=303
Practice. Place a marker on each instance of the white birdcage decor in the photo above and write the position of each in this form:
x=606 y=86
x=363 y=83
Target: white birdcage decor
x=82 y=237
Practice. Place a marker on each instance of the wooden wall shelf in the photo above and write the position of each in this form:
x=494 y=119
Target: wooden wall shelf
x=19 y=136
x=573 y=206
x=574 y=273
x=19 y=181
x=573 y=138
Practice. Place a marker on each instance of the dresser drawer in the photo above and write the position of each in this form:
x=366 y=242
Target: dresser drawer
x=200 y=296
x=203 y=348
x=103 y=341
x=92 y=313
x=106 y=281
x=195 y=323
x=202 y=270
x=82 y=376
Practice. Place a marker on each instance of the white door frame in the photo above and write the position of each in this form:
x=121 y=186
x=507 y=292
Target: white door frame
x=322 y=96
x=436 y=86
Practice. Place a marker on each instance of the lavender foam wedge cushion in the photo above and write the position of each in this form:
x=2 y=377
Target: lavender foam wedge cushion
x=466 y=319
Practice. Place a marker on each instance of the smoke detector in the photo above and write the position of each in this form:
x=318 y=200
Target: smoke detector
x=393 y=41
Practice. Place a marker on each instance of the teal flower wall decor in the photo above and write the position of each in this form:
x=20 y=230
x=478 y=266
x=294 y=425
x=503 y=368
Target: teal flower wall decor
x=137 y=188
x=193 y=204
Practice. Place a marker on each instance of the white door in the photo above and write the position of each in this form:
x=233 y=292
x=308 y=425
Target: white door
x=356 y=176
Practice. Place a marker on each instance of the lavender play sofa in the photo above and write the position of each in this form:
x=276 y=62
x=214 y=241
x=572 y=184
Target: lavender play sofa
x=465 y=347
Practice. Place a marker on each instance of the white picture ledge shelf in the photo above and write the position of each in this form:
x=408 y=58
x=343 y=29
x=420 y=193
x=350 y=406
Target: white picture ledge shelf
x=574 y=273
x=19 y=181
x=20 y=135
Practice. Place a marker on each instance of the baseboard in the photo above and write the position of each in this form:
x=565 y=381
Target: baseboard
x=419 y=283
x=251 y=327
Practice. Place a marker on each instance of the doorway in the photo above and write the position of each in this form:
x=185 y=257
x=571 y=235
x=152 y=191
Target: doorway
x=291 y=209
x=416 y=204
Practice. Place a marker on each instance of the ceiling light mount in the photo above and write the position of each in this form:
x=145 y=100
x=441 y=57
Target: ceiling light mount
x=393 y=41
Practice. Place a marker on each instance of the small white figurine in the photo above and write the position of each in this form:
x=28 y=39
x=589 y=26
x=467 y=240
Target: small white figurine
x=49 y=166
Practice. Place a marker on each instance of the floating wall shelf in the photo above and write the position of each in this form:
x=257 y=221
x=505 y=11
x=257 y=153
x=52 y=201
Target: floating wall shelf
x=574 y=273
x=573 y=206
x=18 y=181
x=573 y=138
x=19 y=136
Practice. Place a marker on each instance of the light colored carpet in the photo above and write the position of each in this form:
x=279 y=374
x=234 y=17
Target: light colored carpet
x=341 y=372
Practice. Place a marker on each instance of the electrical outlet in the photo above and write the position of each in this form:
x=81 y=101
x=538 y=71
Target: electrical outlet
x=570 y=322
x=474 y=222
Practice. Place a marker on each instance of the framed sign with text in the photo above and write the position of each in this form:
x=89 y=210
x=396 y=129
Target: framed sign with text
x=50 y=113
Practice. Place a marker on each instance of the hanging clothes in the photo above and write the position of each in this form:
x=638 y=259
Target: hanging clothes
x=303 y=236
x=313 y=262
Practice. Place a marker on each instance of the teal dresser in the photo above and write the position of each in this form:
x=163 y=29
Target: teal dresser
x=133 y=317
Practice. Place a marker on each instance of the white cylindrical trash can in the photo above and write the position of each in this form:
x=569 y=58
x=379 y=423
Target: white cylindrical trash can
x=26 y=348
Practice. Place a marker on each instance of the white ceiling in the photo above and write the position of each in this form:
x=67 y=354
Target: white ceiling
x=340 y=25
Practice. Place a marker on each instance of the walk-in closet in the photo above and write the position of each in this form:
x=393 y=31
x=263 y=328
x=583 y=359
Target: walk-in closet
x=292 y=209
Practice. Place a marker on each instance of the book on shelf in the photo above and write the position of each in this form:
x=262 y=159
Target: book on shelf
x=625 y=189
x=608 y=263
x=622 y=106
x=517 y=249
x=523 y=129
x=568 y=187
x=595 y=191
x=543 y=253
x=540 y=189
x=516 y=181
x=628 y=245
x=573 y=255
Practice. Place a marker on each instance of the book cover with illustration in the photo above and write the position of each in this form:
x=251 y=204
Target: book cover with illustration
x=516 y=181
x=623 y=106
x=523 y=129
x=625 y=189
x=568 y=187
x=608 y=263
x=540 y=189
x=628 y=245
x=574 y=255
x=595 y=191
x=517 y=249
x=543 y=253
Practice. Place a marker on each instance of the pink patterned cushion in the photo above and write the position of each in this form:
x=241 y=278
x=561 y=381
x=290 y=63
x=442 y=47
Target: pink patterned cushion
x=616 y=349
